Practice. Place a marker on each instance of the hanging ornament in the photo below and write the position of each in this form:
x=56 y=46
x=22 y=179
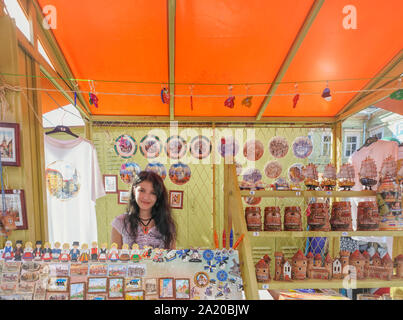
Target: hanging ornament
x=93 y=98
x=296 y=97
x=191 y=97
x=247 y=102
x=230 y=101
x=165 y=95
x=326 y=93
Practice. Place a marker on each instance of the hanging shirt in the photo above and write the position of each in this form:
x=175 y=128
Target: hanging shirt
x=73 y=183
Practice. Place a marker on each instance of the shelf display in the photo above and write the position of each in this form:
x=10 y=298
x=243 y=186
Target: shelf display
x=346 y=176
x=341 y=219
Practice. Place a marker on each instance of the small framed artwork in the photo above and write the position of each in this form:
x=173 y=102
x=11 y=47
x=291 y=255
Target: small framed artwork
x=78 y=269
x=110 y=183
x=176 y=199
x=166 y=288
x=117 y=270
x=97 y=285
x=96 y=296
x=150 y=286
x=116 y=288
x=58 y=284
x=134 y=295
x=77 y=291
x=123 y=197
x=10 y=144
x=57 y=296
x=15 y=203
x=132 y=284
x=98 y=269
x=182 y=289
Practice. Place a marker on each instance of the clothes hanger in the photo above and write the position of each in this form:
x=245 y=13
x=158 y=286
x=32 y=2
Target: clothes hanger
x=368 y=142
x=62 y=128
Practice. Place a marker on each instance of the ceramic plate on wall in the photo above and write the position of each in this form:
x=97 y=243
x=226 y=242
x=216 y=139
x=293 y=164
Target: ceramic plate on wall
x=175 y=147
x=278 y=147
x=295 y=173
x=179 y=173
x=150 y=146
x=228 y=146
x=252 y=201
x=128 y=171
x=125 y=146
x=273 y=169
x=200 y=147
x=158 y=168
x=253 y=150
x=302 y=147
x=252 y=175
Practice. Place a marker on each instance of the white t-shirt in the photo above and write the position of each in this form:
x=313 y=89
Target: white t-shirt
x=73 y=183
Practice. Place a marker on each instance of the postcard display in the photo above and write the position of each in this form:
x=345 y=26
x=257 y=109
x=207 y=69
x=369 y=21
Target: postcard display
x=146 y=274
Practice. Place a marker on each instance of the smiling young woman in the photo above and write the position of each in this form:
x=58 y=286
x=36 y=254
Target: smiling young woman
x=148 y=220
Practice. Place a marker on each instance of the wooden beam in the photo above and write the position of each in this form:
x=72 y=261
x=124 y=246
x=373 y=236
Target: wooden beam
x=386 y=78
x=171 y=56
x=290 y=55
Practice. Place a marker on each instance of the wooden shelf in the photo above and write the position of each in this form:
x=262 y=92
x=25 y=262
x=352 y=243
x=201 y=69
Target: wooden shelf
x=330 y=284
x=307 y=194
x=328 y=234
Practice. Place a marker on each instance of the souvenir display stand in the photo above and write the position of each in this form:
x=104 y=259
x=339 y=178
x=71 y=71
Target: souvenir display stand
x=235 y=214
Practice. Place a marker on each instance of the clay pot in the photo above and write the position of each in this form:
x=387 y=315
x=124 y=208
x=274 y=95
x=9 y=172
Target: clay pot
x=292 y=219
x=272 y=219
x=253 y=218
x=341 y=216
x=367 y=216
x=318 y=219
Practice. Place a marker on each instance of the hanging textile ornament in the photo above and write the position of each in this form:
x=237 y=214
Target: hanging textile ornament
x=296 y=98
x=164 y=95
x=326 y=93
x=93 y=98
x=247 y=102
x=230 y=101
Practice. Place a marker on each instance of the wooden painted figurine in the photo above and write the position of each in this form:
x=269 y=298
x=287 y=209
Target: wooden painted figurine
x=56 y=251
x=135 y=253
x=84 y=256
x=158 y=255
x=124 y=253
x=46 y=252
x=75 y=252
x=65 y=254
x=147 y=251
x=38 y=250
x=94 y=251
x=113 y=253
x=8 y=253
x=18 y=251
x=28 y=256
x=103 y=252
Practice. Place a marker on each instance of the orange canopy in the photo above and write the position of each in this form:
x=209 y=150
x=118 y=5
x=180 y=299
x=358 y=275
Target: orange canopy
x=127 y=49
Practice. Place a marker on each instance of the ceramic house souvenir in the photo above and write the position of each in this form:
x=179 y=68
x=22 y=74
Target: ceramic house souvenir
x=84 y=253
x=113 y=253
x=8 y=253
x=341 y=216
x=318 y=218
x=346 y=176
x=94 y=251
x=75 y=252
x=368 y=173
x=367 y=216
x=56 y=251
x=37 y=252
x=253 y=218
x=103 y=252
x=46 y=252
x=262 y=269
x=18 y=251
x=28 y=256
x=329 y=177
x=399 y=266
x=272 y=219
x=65 y=253
x=299 y=265
x=292 y=219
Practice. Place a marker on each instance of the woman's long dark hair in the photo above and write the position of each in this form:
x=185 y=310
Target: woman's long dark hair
x=161 y=211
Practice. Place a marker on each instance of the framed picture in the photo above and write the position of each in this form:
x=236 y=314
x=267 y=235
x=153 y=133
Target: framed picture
x=57 y=296
x=10 y=144
x=150 y=286
x=58 y=284
x=132 y=284
x=110 y=183
x=77 y=291
x=97 y=285
x=176 y=199
x=166 y=288
x=134 y=295
x=182 y=288
x=117 y=270
x=96 y=296
x=78 y=269
x=116 y=288
x=123 y=197
x=15 y=203
x=98 y=269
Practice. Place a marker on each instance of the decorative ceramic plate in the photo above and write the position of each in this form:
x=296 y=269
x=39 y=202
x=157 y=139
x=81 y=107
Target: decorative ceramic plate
x=278 y=147
x=228 y=146
x=158 y=168
x=302 y=147
x=128 y=171
x=179 y=173
x=150 y=146
x=175 y=147
x=125 y=146
x=295 y=173
x=252 y=201
x=253 y=150
x=252 y=175
x=200 y=147
x=273 y=169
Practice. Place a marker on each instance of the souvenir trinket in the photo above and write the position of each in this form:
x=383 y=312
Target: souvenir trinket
x=75 y=252
x=341 y=216
x=37 y=252
x=329 y=177
x=28 y=256
x=302 y=147
x=113 y=253
x=292 y=219
x=65 y=253
x=56 y=251
x=278 y=147
x=8 y=253
x=124 y=253
x=262 y=269
x=84 y=255
x=346 y=176
x=94 y=251
x=318 y=218
x=195 y=256
x=368 y=173
x=170 y=255
x=367 y=216
x=18 y=251
x=253 y=218
x=272 y=219
x=310 y=173
x=46 y=252
x=158 y=255
x=103 y=252
x=135 y=253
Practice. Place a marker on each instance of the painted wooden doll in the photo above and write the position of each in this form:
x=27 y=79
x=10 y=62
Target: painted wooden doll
x=113 y=253
x=56 y=251
x=8 y=253
x=75 y=252
x=94 y=251
x=147 y=251
x=84 y=257
x=135 y=253
x=124 y=253
x=38 y=250
x=103 y=253
x=158 y=255
x=65 y=253
x=18 y=251
x=28 y=256
x=46 y=252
